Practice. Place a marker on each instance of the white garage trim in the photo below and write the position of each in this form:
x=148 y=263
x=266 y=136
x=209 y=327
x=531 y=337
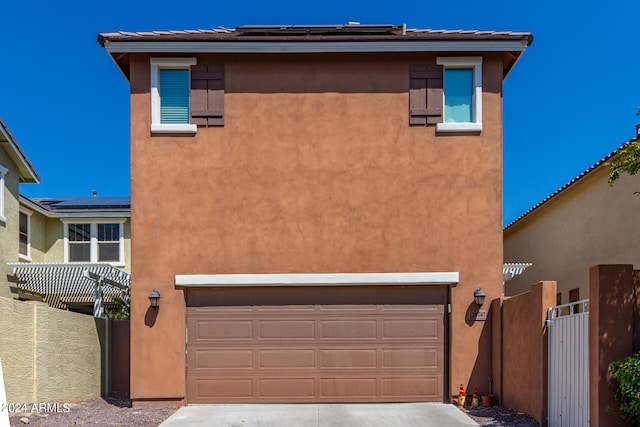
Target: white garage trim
x=321 y=279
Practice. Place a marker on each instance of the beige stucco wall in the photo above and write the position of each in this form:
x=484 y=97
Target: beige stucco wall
x=589 y=223
x=8 y=228
x=38 y=224
x=48 y=355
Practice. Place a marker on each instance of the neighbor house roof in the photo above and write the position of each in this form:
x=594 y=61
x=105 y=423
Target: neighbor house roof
x=27 y=173
x=569 y=184
x=80 y=206
x=353 y=37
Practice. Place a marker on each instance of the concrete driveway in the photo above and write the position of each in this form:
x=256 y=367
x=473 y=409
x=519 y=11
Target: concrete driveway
x=321 y=415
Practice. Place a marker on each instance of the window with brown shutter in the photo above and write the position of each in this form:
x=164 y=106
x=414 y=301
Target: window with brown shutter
x=425 y=95
x=207 y=95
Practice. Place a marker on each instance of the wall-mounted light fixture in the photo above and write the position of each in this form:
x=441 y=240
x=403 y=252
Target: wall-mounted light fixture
x=154 y=298
x=479 y=296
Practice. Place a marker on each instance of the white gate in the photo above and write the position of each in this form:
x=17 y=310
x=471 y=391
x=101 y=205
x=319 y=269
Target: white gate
x=568 y=329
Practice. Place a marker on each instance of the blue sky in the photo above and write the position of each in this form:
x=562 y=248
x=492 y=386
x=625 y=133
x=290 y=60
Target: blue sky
x=569 y=101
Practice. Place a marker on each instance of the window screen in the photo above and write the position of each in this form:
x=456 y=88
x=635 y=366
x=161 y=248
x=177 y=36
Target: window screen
x=174 y=96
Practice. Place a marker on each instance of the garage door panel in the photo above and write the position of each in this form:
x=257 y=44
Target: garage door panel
x=207 y=330
x=429 y=329
x=283 y=330
x=225 y=388
x=348 y=329
x=290 y=388
x=346 y=387
x=428 y=358
x=428 y=387
x=388 y=349
x=207 y=359
x=347 y=309
x=287 y=358
x=352 y=359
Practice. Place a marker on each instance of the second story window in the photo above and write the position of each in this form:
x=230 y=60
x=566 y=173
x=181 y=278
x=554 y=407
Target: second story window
x=79 y=241
x=170 y=95
x=108 y=242
x=94 y=242
x=185 y=96
x=3 y=172
x=462 y=94
x=24 y=245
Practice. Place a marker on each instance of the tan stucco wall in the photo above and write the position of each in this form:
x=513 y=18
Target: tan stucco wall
x=38 y=224
x=315 y=170
x=9 y=228
x=54 y=238
x=48 y=355
x=589 y=223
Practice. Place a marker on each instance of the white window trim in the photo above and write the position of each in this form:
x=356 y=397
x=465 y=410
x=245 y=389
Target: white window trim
x=464 y=62
x=26 y=257
x=158 y=64
x=94 y=240
x=3 y=172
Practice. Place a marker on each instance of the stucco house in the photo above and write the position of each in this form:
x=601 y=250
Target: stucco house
x=46 y=244
x=15 y=168
x=316 y=206
x=62 y=237
x=584 y=223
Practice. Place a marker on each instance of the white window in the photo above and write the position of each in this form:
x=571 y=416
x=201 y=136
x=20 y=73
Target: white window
x=462 y=94
x=170 y=88
x=3 y=172
x=94 y=242
x=24 y=245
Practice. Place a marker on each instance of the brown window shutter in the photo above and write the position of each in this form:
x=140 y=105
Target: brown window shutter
x=207 y=95
x=425 y=95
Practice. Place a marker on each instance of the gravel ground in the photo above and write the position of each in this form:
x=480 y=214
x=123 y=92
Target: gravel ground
x=113 y=411
x=499 y=416
x=116 y=410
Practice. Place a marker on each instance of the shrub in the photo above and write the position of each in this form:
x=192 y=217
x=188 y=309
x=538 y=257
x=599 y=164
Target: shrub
x=626 y=387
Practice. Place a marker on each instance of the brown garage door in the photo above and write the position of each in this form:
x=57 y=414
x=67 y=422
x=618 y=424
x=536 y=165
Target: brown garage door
x=316 y=344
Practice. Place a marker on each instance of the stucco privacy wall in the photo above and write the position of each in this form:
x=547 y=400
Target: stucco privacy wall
x=523 y=374
x=49 y=355
x=589 y=223
x=315 y=170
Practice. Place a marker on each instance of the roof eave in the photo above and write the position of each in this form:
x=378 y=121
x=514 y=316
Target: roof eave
x=324 y=46
x=119 y=47
x=26 y=170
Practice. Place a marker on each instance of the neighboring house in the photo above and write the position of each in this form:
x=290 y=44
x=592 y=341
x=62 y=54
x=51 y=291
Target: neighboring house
x=316 y=206
x=61 y=237
x=76 y=229
x=15 y=168
x=584 y=223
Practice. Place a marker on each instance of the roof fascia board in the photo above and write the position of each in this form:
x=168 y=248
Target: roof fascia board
x=27 y=171
x=35 y=207
x=93 y=215
x=315 y=47
x=321 y=279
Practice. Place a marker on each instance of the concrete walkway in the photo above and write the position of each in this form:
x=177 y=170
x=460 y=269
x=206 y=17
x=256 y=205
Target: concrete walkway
x=321 y=415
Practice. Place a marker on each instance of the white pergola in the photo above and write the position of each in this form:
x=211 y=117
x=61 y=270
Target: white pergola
x=61 y=284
